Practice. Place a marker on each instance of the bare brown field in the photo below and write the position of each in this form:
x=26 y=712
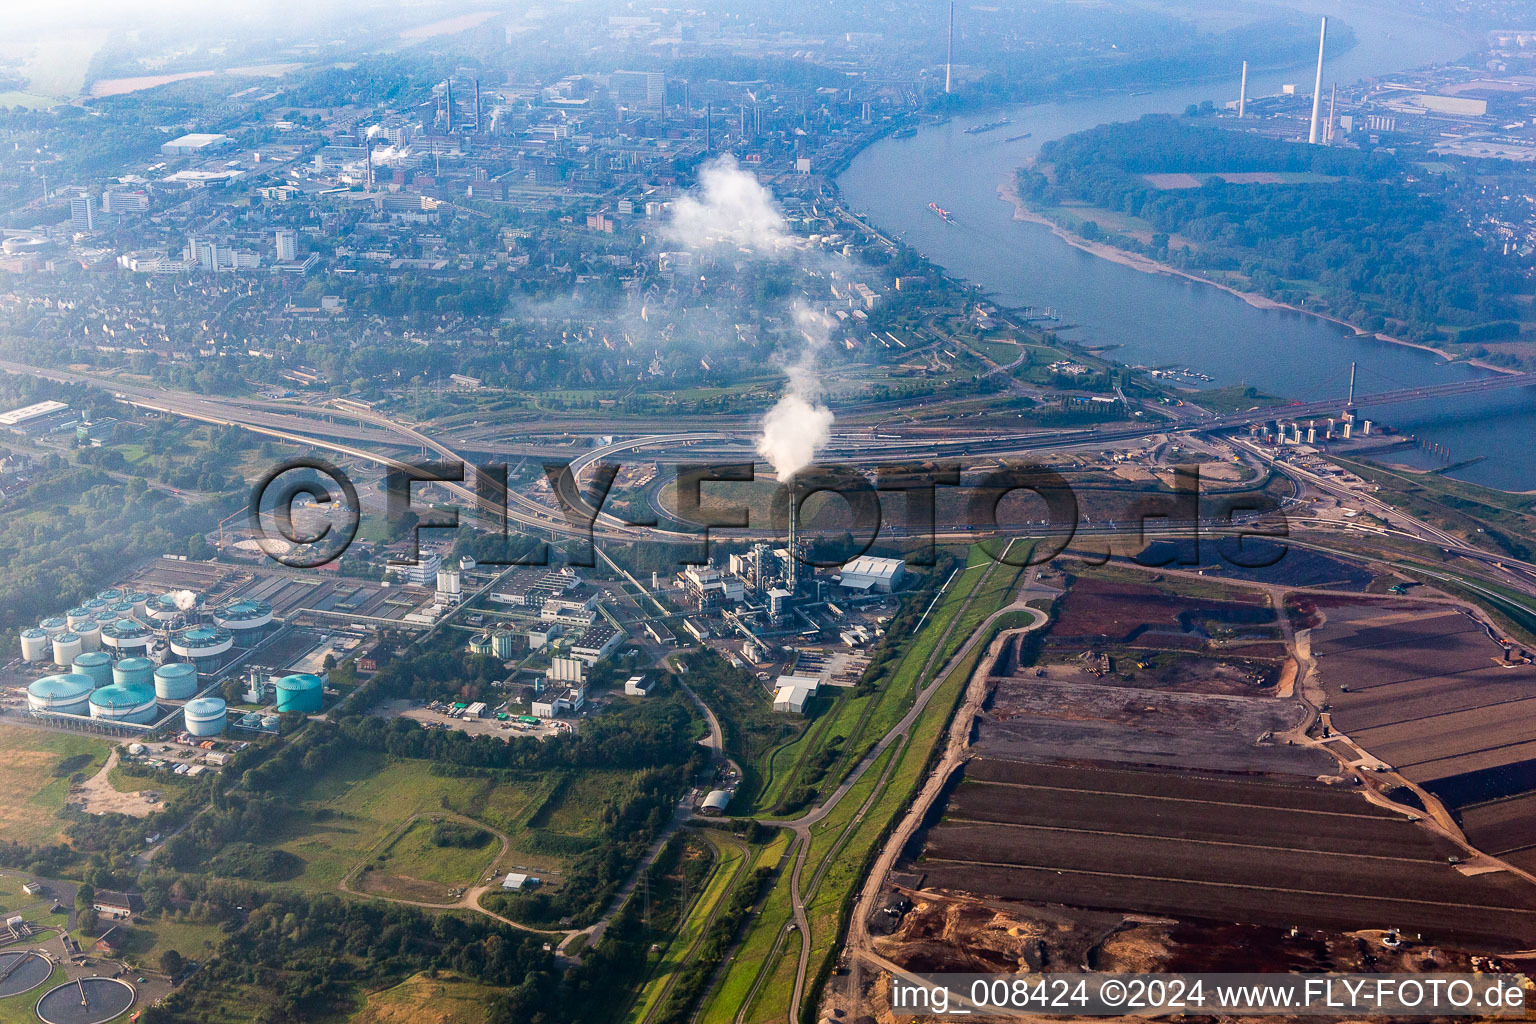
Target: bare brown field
x=1110 y=610
x=1204 y=846
x=1426 y=690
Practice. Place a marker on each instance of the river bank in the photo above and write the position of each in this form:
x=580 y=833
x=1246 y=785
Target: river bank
x=1009 y=193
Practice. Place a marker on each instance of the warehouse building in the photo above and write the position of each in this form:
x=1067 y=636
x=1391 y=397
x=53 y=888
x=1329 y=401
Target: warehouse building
x=792 y=693
x=874 y=575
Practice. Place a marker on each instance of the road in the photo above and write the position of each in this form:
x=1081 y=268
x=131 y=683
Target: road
x=956 y=752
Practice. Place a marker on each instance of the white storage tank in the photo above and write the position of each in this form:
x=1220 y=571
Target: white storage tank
x=75 y=616
x=205 y=716
x=135 y=704
x=35 y=645
x=176 y=681
x=67 y=694
x=140 y=599
x=54 y=626
x=164 y=608
x=97 y=665
x=90 y=636
x=66 y=648
x=138 y=673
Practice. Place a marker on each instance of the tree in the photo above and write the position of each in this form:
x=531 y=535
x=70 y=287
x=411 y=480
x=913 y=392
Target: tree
x=172 y=964
x=87 y=920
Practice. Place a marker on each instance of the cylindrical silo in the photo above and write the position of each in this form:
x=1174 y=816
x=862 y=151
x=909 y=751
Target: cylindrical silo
x=300 y=692
x=176 y=681
x=66 y=648
x=127 y=637
x=205 y=716
x=137 y=672
x=90 y=636
x=35 y=645
x=66 y=694
x=140 y=599
x=96 y=604
x=115 y=703
x=97 y=665
x=502 y=644
x=164 y=608
x=54 y=626
x=480 y=643
x=77 y=615
x=123 y=609
x=110 y=595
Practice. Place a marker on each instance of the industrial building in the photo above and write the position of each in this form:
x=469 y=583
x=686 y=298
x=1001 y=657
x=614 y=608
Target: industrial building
x=195 y=143
x=570 y=701
x=596 y=643
x=715 y=803
x=869 y=574
x=792 y=693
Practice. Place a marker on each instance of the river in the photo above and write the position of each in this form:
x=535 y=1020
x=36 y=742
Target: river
x=1158 y=319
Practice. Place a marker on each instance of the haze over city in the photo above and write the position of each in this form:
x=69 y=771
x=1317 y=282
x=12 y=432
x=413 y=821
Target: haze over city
x=745 y=514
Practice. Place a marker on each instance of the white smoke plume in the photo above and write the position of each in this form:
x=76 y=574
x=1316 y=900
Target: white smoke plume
x=732 y=208
x=800 y=423
x=185 y=600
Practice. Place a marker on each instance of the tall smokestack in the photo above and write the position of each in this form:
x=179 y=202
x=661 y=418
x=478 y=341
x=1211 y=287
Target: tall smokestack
x=370 y=165
x=1333 y=103
x=792 y=573
x=949 y=51
x=1242 y=92
x=448 y=104
x=709 y=126
x=477 y=106
x=1317 y=88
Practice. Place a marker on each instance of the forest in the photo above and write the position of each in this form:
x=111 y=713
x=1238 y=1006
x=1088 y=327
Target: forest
x=1362 y=236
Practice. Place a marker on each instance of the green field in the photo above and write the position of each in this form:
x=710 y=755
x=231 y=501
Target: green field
x=148 y=939
x=413 y=854
x=31 y=795
x=341 y=818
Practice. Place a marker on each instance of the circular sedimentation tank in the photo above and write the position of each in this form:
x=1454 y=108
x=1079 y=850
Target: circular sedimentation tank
x=117 y=703
x=163 y=607
x=205 y=716
x=97 y=665
x=480 y=643
x=139 y=672
x=66 y=648
x=65 y=694
x=176 y=681
x=22 y=972
x=86 y=1001
x=300 y=692
x=35 y=645
x=202 y=643
x=243 y=616
x=126 y=636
